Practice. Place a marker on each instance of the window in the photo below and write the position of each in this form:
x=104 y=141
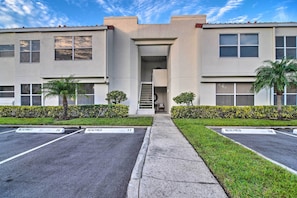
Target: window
x=73 y=48
x=234 y=94
x=228 y=45
x=30 y=51
x=84 y=95
x=285 y=47
x=6 y=91
x=31 y=94
x=242 y=45
x=289 y=96
x=6 y=50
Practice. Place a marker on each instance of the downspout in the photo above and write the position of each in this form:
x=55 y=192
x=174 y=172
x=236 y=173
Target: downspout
x=274 y=58
x=105 y=57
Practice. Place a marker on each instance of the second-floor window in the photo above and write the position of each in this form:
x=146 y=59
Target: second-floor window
x=239 y=45
x=6 y=50
x=285 y=47
x=73 y=48
x=30 y=51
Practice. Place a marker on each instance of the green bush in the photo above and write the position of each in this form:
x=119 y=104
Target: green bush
x=185 y=98
x=116 y=97
x=247 y=112
x=83 y=111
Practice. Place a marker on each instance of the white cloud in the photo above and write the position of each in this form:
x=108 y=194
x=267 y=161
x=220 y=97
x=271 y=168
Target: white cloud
x=149 y=10
x=281 y=14
x=217 y=13
x=239 y=19
x=28 y=13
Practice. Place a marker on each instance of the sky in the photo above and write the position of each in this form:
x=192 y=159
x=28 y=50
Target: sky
x=49 y=13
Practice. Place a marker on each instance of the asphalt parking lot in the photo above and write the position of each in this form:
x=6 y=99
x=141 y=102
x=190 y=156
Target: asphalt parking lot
x=280 y=147
x=72 y=164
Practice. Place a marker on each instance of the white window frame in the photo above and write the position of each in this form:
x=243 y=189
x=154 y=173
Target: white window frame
x=285 y=48
x=235 y=94
x=31 y=95
x=3 y=52
x=239 y=45
x=7 y=91
x=31 y=51
x=73 y=48
x=284 y=97
x=75 y=101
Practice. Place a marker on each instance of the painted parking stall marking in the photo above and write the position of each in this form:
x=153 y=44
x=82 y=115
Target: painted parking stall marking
x=288 y=134
x=40 y=130
x=248 y=131
x=274 y=144
x=39 y=147
x=110 y=130
x=10 y=131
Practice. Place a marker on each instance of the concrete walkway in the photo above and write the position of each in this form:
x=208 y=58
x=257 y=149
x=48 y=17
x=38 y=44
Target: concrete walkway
x=168 y=166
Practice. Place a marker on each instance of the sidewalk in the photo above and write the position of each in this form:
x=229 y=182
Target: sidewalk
x=168 y=166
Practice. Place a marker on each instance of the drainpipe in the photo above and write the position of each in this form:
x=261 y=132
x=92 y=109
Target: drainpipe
x=105 y=56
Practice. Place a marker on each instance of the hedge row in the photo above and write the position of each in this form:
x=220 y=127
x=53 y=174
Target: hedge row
x=84 y=111
x=252 y=112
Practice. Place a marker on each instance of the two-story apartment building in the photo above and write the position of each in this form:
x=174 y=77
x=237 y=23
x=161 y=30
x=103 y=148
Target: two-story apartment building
x=151 y=63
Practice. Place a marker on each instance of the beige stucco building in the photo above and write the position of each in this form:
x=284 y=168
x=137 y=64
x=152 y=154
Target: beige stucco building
x=151 y=63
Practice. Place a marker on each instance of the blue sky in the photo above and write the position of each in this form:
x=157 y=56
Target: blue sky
x=45 y=13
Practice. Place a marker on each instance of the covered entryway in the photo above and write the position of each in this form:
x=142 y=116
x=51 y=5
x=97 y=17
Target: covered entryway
x=153 y=79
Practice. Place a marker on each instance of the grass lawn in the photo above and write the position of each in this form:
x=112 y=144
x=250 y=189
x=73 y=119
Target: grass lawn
x=129 y=121
x=240 y=171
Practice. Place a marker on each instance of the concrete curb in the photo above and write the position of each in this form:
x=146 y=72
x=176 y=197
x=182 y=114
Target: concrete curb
x=134 y=183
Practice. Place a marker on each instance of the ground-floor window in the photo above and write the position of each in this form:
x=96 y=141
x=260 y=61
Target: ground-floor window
x=289 y=96
x=84 y=95
x=234 y=94
x=6 y=91
x=31 y=94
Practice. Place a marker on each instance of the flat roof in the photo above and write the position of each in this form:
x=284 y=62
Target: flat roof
x=248 y=25
x=56 y=29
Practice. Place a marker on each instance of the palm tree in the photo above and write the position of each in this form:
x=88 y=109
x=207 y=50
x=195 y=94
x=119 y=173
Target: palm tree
x=64 y=87
x=277 y=75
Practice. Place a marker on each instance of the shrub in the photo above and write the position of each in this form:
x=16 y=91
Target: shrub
x=185 y=98
x=83 y=111
x=247 y=112
x=116 y=97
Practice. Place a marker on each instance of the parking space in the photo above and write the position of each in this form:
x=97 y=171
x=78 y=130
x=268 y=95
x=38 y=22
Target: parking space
x=4 y=130
x=73 y=164
x=280 y=147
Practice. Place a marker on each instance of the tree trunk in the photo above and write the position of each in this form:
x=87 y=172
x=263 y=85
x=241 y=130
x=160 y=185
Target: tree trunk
x=279 y=104
x=65 y=108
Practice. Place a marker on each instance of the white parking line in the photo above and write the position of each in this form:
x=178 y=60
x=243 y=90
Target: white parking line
x=38 y=147
x=7 y=131
x=284 y=133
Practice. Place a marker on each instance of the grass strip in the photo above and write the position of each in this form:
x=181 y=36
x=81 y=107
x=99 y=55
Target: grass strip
x=240 y=171
x=129 y=121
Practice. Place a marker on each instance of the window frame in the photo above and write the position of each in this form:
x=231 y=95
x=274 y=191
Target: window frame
x=239 y=45
x=31 y=94
x=285 y=48
x=7 y=91
x=75 y=50
x=31 y=51
x=76 y=101
x=234 y=94
x=4 y=53
x=285 y=96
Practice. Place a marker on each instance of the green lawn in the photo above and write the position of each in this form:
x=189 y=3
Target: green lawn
x=129 y=121
x=240 y=171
